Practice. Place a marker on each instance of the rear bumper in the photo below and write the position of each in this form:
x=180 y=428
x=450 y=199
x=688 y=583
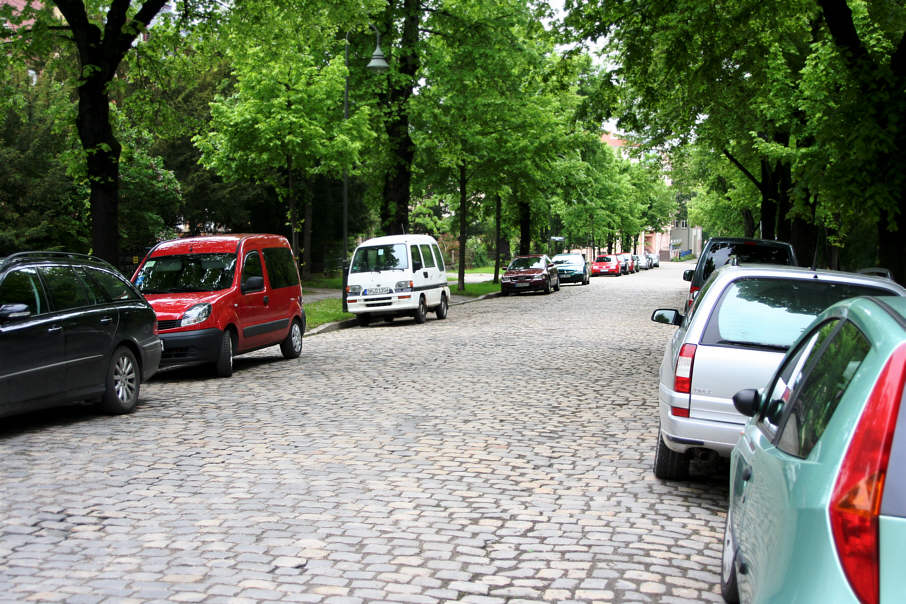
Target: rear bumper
x=684 y=433
x=151 y=354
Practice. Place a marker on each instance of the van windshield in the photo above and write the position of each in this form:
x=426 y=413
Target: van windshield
x=375 y=258
x=186 y=273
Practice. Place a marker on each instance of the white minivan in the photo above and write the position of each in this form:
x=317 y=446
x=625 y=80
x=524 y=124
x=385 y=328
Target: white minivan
x=397 y=275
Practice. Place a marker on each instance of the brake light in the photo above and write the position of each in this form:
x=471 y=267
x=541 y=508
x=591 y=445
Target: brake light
x=156 y=331
x=856 y=499
x=682 y=377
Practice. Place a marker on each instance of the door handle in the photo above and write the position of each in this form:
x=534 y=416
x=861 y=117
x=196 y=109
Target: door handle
x=425 y=274
x=266 y=299
x=747 y=473
x=55 y=329
x=106 y=320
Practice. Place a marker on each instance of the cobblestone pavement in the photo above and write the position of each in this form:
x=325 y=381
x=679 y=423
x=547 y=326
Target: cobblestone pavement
x=501 y=455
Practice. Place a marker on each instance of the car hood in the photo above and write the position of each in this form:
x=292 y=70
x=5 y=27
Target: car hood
x=172 y=306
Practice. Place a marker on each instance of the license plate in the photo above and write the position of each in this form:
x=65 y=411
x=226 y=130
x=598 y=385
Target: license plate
x=377 y=290
x=522 y=285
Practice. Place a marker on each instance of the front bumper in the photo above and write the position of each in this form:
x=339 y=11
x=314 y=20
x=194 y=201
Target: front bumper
x=404 y=302
x=190 y=347
x=522 y=286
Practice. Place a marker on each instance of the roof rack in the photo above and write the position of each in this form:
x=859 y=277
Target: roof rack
x=50 y=254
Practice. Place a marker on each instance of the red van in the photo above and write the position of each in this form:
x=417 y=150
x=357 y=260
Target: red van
x=222 y=295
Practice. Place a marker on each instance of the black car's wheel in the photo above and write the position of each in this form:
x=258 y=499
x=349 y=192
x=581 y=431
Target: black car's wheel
x=729 y=587
x=587 y=280
x=291 y=347
x=441 y=311
x=668 y=464
x=421 y=313
x=223 y=367
x=363 y=319
x=124 y=380
x=504 y=292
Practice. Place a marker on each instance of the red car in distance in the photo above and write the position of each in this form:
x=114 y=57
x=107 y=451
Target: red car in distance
x=608 y=264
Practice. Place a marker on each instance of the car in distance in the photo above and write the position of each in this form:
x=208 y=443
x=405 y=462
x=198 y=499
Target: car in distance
x=72 y=328
x=608 y=264
x=817 y=508
x=532 y=272
x=641 y=262
x=719 y=251
x=572 y=268
x=741 y=324
x=217 y=296
x=654 y=260
x=397 y=275
x=628 y=264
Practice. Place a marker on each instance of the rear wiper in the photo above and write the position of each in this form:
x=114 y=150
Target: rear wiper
x=778 y=347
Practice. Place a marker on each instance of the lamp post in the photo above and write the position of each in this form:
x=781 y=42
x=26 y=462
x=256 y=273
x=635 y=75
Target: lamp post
x=378 y=63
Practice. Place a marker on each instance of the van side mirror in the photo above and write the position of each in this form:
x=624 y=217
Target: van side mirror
x=253 y=284
x=10 y=312
x=668 y=316
x=687 y=274
x=747 y=401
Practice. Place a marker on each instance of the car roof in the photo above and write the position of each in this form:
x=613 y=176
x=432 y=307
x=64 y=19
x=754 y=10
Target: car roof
x=748 y=240
x=32 y=257
x=389 y=239
x=221 y=242
x=731 y=271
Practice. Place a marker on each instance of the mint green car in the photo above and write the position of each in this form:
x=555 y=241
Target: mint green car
x=818 y=478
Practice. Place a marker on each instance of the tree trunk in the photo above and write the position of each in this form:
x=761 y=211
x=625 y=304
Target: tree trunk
x=768 y=202
x=497 y=215
x=525 y=227
x=306 y=240
x=463 y=227
x=748 y=221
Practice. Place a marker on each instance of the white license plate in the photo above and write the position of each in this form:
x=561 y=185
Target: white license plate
x=377 y=290
x=522 y=285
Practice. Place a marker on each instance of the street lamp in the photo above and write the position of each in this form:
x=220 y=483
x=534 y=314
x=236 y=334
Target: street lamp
x=378 y=63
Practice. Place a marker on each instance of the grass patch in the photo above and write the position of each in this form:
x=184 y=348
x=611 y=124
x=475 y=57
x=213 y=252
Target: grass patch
x=325 y=311
x=475 y=289
x=322 y=282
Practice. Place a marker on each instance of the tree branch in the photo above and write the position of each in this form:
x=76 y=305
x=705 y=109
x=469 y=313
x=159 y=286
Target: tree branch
x=743 y=169
x=839 y=19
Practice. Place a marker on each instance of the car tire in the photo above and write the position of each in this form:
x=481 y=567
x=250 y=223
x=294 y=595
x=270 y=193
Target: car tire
x=587 y=280
x=363 y=319
x=291 y=347
x=223 y=367
x=504 y=292
x=547 y=286
x=124 y=380
x=557 y=286
x=421 y=313
x=441 y=311
x=729 y=585
x=668 y=464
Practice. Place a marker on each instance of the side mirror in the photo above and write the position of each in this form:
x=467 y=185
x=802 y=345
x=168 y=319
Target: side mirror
x=747 y=401
x=253 y=284
x=9 y=312
x=687 y=274
x=668 y=316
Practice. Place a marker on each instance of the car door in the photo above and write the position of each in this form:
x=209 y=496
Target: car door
x=430 y=268
x=252 y=312
x=285 y=290
x=419 y=274
x=780 y=491
x=31 y=346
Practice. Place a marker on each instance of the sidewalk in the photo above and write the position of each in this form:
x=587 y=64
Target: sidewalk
x=314 y=294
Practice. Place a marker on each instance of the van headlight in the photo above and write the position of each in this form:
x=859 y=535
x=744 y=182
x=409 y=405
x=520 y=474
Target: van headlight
x=196 y=314
x=403 y=286
x=353 y=290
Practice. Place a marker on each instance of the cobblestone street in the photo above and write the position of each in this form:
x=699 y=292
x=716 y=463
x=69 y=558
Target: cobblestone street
x=501 y=455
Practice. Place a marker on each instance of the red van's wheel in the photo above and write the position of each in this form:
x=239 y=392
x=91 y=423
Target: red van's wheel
x=224 y=364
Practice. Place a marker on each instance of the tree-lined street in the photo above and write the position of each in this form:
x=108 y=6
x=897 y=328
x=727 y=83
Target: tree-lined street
x=503 y=454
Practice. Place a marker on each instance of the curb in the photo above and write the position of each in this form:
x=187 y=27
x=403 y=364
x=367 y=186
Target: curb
x=337 y=325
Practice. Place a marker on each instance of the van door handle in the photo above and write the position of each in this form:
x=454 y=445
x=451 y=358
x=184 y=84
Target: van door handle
x=265 y=300
x=425 y=273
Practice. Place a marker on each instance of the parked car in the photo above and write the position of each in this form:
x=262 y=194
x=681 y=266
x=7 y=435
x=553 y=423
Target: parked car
x=72 y=328
x=222 y=295
x=741 y=324
x=654 y=260
x=719 y=251
x=532 y=272
x=641 y=262
x=607 y=265
x=628 y=264
x=397 y=275
x=818 y=479
x=572 y=268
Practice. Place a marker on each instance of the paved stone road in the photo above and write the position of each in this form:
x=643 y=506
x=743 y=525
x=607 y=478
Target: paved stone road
x=502 y=455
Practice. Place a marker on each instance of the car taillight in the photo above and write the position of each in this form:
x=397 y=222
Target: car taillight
x=856 y=498
x=156 y=332
x=682 y=377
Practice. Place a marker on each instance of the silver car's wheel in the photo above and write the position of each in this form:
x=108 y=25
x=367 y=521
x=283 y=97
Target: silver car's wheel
x=123 y=382
x=668 y=464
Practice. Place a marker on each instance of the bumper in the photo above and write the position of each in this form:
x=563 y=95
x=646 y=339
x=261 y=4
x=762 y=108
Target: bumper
x=151 y=355
x=572 y=277
x=384 y=304
x=684 y=433
x=522 y=286
x=190 y=347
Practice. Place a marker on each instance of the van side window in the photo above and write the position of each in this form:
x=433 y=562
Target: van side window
x=252 y=268
x=438 y=256
x=426 y=254
x=281 y=270
x=416 y=258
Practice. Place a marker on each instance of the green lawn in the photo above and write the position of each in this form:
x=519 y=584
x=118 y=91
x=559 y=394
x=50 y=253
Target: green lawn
x=325 y=311
x=475 y=289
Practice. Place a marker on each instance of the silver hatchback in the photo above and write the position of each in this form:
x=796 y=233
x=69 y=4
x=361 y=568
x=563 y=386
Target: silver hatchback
x=735 y=335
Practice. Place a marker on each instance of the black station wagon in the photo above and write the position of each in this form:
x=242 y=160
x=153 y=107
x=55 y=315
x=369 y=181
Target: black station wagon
x=72 y=328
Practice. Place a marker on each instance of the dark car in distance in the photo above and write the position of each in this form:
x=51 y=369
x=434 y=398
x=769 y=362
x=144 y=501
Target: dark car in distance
x=533 y=272
x=719 y=251
x=572 y=268
x=72 y=328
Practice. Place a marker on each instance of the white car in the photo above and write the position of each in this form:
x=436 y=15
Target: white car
x=736 y=334
x=397 y=275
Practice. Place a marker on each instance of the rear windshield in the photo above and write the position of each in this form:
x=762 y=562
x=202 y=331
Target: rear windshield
x=186 y=273
x=532 y=262
x=719 y=254
x=375 y=258
x=603 y=259
x=772 y=313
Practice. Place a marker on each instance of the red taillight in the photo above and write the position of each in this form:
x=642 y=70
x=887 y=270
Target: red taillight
x=156 y=332
x=856 y=499
x=679 y=411
x=682 y=377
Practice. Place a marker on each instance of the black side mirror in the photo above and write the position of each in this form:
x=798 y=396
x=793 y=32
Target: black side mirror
x=668 y=316
x=253 y=284
x=9 y=312
x=747 y=401
x=687 y=274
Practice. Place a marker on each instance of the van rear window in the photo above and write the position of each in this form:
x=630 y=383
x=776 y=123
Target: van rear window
x=374 y=258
